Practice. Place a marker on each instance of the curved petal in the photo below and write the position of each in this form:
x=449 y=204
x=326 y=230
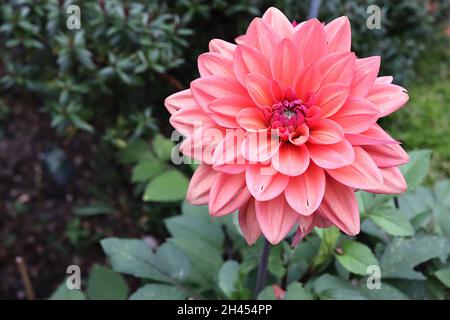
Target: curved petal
x=356 y=115
x=261 y=36
x=363 y=173
x=251 y=119
x=211 y=63
x=372 y=136
x=387 y=97
x=340 y=207
x=206 y=89
x=223 y=47
x=300 y=136
x=223 y=110
x=264 y=184
x=187 y=119
x=227 y=194
x=366 y=71
x=201 y=182
x=260 y=89
x=249 y=60
x=331 y=97
x=332 y=156
x=305 y=225
x=248 y=222
x=305 y=193
x=339 y=35
x=393 y=182
x=260 y=146
x=201 y=144
x=307 y=81
x=179 y=100
x=325 y=131
x=275 y=218
x=291 y=160
x=311 y=41
x=387 y=155
x=278 y=21
x=337 y=67
x=285 y=62
x=227 y=157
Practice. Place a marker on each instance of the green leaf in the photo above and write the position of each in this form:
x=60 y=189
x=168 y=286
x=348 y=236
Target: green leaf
x=136 y=258
x=444 y=276
x=402 y=255
x=417 y=168
x=386 y=292
x=195 y=227
x=276 y=266
x=144 y=171
x=329 y=237
x=158 y=292
x=229 y=278
x=330 y=287
x=169 y=186
x=393 y=221
x=162 y=147
x=296 y=291
x=64 y=293
x=356 y=258
x=136 y=151
x=105 y=284
x=92 y=210
x=267 y=294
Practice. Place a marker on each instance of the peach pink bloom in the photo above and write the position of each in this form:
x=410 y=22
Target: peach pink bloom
x=304 y=84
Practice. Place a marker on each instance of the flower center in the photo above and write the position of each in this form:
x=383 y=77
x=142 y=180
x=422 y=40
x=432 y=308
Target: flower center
x=287 y=116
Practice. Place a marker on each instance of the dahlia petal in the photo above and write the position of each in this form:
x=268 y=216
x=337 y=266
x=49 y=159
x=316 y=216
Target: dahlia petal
x=393 y=182
x=227 y=157
x=261 y=36
x=337 y=67
x=206 y=89
x=275 y=218
x=366 y=71
x=248 y=223
x=305 y=193
x=331 y=97
x=249 y=60
x=260 y=146
x=332 y=156
x=179 y=100
x=339 y=35
x=387 y=155
x=285 y=62
x=200 y=185
x=187 y=119
x=372 y=136
x=301 y=136
x=363 y=173
x=223 y=47
x=211 y=63
x=291 y=160
x=340 y=207
x=201 y=144
x=308 y=80
x=264 y=183
x=278 y=21
x=325 y=131
x=356 y=115
x=311 y=41
x=305 y=225
x=224 y=110
x=260 y=89
x=251 y=119
x=384 y=79
x=228 y=194
x=387 y=97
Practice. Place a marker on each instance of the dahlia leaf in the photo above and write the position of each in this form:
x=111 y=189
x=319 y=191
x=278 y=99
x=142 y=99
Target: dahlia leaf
x=158 y=292
x=162 y=147
x=229 y=278
x=105 y=284
x=168 y=186
x=402 y=255
x=393 y=221
x=296 y=291
x=356 y=257
x=417 y=167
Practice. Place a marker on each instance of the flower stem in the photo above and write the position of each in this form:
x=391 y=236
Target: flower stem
x=261 y=277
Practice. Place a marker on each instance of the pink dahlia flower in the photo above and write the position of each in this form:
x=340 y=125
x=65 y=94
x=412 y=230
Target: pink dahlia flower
x=284 y=123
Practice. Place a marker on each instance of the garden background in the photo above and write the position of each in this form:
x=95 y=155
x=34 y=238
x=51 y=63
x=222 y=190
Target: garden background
x=85 y=157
